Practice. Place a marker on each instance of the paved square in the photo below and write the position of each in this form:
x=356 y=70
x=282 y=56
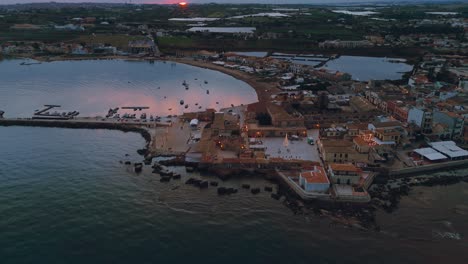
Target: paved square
x=297 y=149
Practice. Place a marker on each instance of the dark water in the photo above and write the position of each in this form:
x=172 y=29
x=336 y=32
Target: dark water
x=93 y=86
x=65 y=198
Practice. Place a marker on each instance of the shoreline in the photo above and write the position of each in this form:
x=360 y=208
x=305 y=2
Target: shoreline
x=264 y=90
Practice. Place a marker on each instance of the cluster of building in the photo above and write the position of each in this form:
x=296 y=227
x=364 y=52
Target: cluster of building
x=349 y=44
x=362 y=125
x=144 y=46
x=433 y=104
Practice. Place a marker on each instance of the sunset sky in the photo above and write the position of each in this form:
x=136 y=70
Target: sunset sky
x=201 y=1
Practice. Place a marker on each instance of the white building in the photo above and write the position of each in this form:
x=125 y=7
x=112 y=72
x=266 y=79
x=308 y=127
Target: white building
x=420 y=117
x=315 y=180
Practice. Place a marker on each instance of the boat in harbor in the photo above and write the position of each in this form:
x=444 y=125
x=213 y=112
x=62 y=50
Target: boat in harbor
x=143 y=116
x=29 y=63
x=45 y=113
x=185 y=84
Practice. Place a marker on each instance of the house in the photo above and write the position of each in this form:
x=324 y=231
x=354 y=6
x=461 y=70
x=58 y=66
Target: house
x=281 y=118
x=387 y=136
x=282 y=122
x=453 y=121
x=421 y=117
x=339 y=151
x=225 y=124
x=70 y=27
x=344 y=173
x=315 y=180
x=361 y=145
x=144 y=46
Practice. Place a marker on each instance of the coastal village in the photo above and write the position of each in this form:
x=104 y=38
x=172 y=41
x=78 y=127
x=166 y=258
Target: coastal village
x=324 y=134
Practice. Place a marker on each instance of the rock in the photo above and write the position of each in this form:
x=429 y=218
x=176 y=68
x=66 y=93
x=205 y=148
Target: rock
x=255 y=190
x=213 y=183
x=165 y=179
x=222 y=191
x=245 y=186
x=166 y=173
x=128 y=163
x=203 y=185
x=231 y=190
x=189 y=169
x=268 y=189
x=190 y=181
x=142 y=151
x=138 y=167
x=275 y=196
x=126 y=155
x=197 y=182
x=176 y=176
x=147 y=162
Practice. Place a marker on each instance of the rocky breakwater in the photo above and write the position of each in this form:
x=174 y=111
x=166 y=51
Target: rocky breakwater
x=125 y=127
x=387 y=195
x=165 y=173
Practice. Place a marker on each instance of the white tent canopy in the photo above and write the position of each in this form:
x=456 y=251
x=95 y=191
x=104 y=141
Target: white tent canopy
x=449 y=149
x=430 y=154
x=194 y=122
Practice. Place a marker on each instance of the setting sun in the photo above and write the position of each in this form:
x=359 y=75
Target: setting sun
x=183 y=4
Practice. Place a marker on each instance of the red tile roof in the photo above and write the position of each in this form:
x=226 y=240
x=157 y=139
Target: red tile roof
x=316 y=176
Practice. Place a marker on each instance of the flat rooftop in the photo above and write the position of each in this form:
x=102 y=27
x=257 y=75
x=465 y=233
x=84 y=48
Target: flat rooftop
x=449 y=149
x=430 y=154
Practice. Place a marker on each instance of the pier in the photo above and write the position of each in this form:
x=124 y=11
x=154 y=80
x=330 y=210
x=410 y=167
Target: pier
x=143 y=128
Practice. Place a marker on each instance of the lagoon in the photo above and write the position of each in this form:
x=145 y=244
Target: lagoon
x=370 y=68
x=93 y=86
